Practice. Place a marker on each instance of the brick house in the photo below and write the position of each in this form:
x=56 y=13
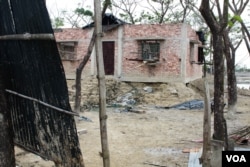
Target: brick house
x=136 y=53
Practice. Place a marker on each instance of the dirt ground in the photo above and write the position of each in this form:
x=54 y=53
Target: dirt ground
x=156 y=137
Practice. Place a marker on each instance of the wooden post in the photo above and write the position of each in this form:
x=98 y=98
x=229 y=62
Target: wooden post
x=206 y=153
x=101 y=83
x=7 y=156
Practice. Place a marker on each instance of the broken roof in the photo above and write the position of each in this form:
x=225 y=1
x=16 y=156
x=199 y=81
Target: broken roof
x=108 y=20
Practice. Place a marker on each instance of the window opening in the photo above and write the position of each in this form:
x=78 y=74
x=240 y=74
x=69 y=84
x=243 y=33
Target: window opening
x=67 y=50
x=200 y=55
x=150 y=50
x=192 y=60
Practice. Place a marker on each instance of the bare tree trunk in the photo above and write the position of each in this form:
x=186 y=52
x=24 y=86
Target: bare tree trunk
x=7 y=156
x=217 y=28
x=82 y=64
x=219 y=129
x=237 y=8
x=231 y=78
x=232 y=87
x=206 y=154
x=78 y=86
x=101 y=83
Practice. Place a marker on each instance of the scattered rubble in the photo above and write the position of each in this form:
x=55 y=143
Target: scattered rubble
x=126 y=100
x=188 y=105
x=83 y=118
x=241 y=136
x=127 y=95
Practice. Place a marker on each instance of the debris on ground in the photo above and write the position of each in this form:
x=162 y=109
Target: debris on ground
x=83 y=118
x=125 y=100
x=241 y=136
x=124 y=103
x=137 y=111
x=130 y=109
x=188 y=105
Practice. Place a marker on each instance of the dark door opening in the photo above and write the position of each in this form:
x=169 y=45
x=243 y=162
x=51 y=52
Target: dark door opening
x=109 y=57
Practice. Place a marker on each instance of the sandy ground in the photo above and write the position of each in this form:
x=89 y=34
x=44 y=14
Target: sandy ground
x=156 y=137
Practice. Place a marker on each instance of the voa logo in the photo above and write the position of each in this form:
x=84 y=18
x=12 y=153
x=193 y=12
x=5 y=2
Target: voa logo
x=236 y=158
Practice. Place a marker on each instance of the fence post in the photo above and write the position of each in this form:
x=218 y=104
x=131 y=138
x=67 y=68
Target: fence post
x=102 y=86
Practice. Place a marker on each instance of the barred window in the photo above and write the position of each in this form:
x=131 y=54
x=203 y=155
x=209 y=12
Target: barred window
x=67 y=50
x=150 y=50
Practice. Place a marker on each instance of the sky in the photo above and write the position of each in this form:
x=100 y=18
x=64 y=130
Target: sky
x=55 y=6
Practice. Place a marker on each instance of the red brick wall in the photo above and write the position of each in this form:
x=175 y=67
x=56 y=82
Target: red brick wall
x=82 y=36
x=152 y=30
x=170 y=54
x=170 y=66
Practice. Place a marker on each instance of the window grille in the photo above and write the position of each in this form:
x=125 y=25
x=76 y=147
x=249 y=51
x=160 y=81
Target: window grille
x=150 y=50
x=67 y=50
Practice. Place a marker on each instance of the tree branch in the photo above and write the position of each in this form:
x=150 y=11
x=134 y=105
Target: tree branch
x=208 y=16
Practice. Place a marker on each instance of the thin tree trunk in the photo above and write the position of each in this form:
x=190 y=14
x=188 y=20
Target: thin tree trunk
x=231 y=78
x=219 y=129
x=217 y=28
x=101 y=83
x=232 y=86
x=78 y=95
x=206 y=154
x=7 y=156
x=78 y=86
x=246 y=35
